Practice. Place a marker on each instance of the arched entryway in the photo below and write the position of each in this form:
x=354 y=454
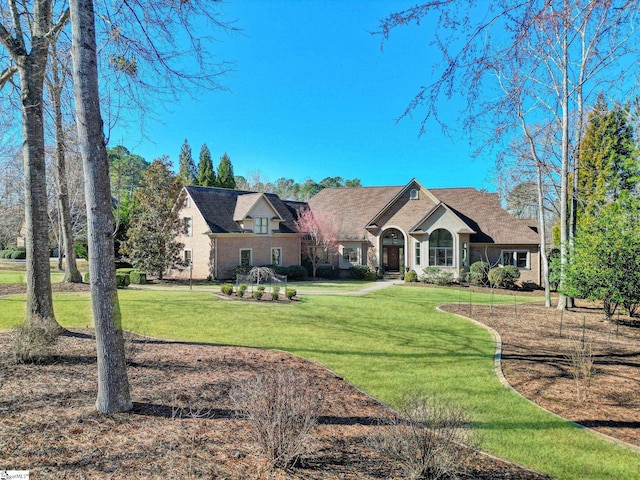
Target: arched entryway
x=393 y=250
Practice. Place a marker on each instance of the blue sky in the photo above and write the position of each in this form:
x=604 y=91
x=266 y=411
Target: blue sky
x=312 y=95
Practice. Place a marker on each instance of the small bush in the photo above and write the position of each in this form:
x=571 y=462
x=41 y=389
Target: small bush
x=275 y=292
x=426 y=441
x=122 y=280
x=18 y=255
x=479 y=273
x=242 y=270
x=242 y=289
x=290 y=293
x=282 y=411
x=261 y=288
x=227 y=289
x=504 y=277
x=581 y=366
x=371 y=276
x=411 y=276
x=137 y=277
x=358 y=272
x=35 y=342
x=327 y=271
x=85 y=277
x=257 y=295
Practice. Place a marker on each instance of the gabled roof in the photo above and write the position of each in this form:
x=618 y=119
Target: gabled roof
x=483 y=213
x=218 y=207
x=464 y=228
x=355 y=208
x=246 y=202
x=352 y=207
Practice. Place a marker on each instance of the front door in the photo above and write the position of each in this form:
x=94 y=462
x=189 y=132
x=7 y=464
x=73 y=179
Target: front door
x=392 y=258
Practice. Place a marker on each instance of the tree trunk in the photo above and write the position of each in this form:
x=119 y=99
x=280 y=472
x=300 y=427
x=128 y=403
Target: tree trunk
x=39 y=299
x=113 y=383
x=71 y=272
x=543 y=236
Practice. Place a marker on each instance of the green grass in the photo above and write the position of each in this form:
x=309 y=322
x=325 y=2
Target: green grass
x=386 y=343
x=20 y=276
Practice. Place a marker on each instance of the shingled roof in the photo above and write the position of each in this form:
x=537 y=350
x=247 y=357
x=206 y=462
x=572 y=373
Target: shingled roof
x=218 y=205
x=354 y=207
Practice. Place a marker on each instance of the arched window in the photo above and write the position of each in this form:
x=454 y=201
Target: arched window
x=441 y=248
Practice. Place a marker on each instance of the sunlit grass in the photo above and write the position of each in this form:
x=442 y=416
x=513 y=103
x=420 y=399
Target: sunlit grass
x=387 y=343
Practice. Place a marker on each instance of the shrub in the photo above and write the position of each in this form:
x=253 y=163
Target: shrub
x=290 y=293
x=82 y=250
x=35 y=342
x=581 y=359
x=85 y=277
x=411 y=276
x=479 y=273
x=504 y=277
x=282 y=411
x=261 y=288
x=126 y=270
x=242 y=289
x=295 y=273
x=242 y=270
x=258 y=294
x=275 y=292
x=227 y=289
x=122 y=280
x=371 y=276
x=18 y=255
x=426 y=441
x=138 y=277
x=327 y=271
x=358 y=272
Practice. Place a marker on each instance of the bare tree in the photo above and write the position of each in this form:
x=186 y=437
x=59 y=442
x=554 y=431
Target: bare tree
x=526 y=64
x=26 y=40
x=113 y=383
x=55 y=83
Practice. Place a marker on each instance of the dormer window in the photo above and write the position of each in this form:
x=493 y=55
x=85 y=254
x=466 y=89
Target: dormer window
x=413 y=194
x=261 y=225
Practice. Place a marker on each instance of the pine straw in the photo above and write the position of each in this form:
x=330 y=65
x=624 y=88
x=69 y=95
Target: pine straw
x=536 y=362
x=182 y=424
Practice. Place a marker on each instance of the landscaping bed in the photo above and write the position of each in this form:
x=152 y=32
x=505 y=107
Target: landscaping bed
x=183 y=424
x=536 y=361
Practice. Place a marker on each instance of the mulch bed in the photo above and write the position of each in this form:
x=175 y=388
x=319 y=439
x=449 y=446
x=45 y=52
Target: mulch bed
x=183 y=424
x=536 y=362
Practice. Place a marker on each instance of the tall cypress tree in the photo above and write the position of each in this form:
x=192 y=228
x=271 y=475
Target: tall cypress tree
x=187 y=172
x=608 y=164
x=206 y=173
x=226 y=179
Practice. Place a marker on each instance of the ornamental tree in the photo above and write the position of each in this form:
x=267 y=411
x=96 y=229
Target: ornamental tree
x=151 y=244
x=320 y=236
x=605 y=262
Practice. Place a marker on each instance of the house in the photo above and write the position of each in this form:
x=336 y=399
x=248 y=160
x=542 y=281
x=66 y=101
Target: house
x=395 y=228
x=227 y=228
x=411 y=227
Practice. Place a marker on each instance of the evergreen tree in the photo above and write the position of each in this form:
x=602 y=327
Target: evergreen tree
x=226 y=178
x=206 y=173
x=187 y=172
x=608 y=164
x=151 y=244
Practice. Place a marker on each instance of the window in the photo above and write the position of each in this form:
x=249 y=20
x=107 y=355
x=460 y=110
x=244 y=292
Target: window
x=261 y=225
x=517 y=258
x=187 y=201
x=245 y=257
x=465 y=254
x=350 y=255
x=441 y=248
x=276 y=256
x=417 y=253
x=187 y=257
x=413 y=194
x=188 y=228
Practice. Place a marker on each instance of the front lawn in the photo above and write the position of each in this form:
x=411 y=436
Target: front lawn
x=386 y=343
